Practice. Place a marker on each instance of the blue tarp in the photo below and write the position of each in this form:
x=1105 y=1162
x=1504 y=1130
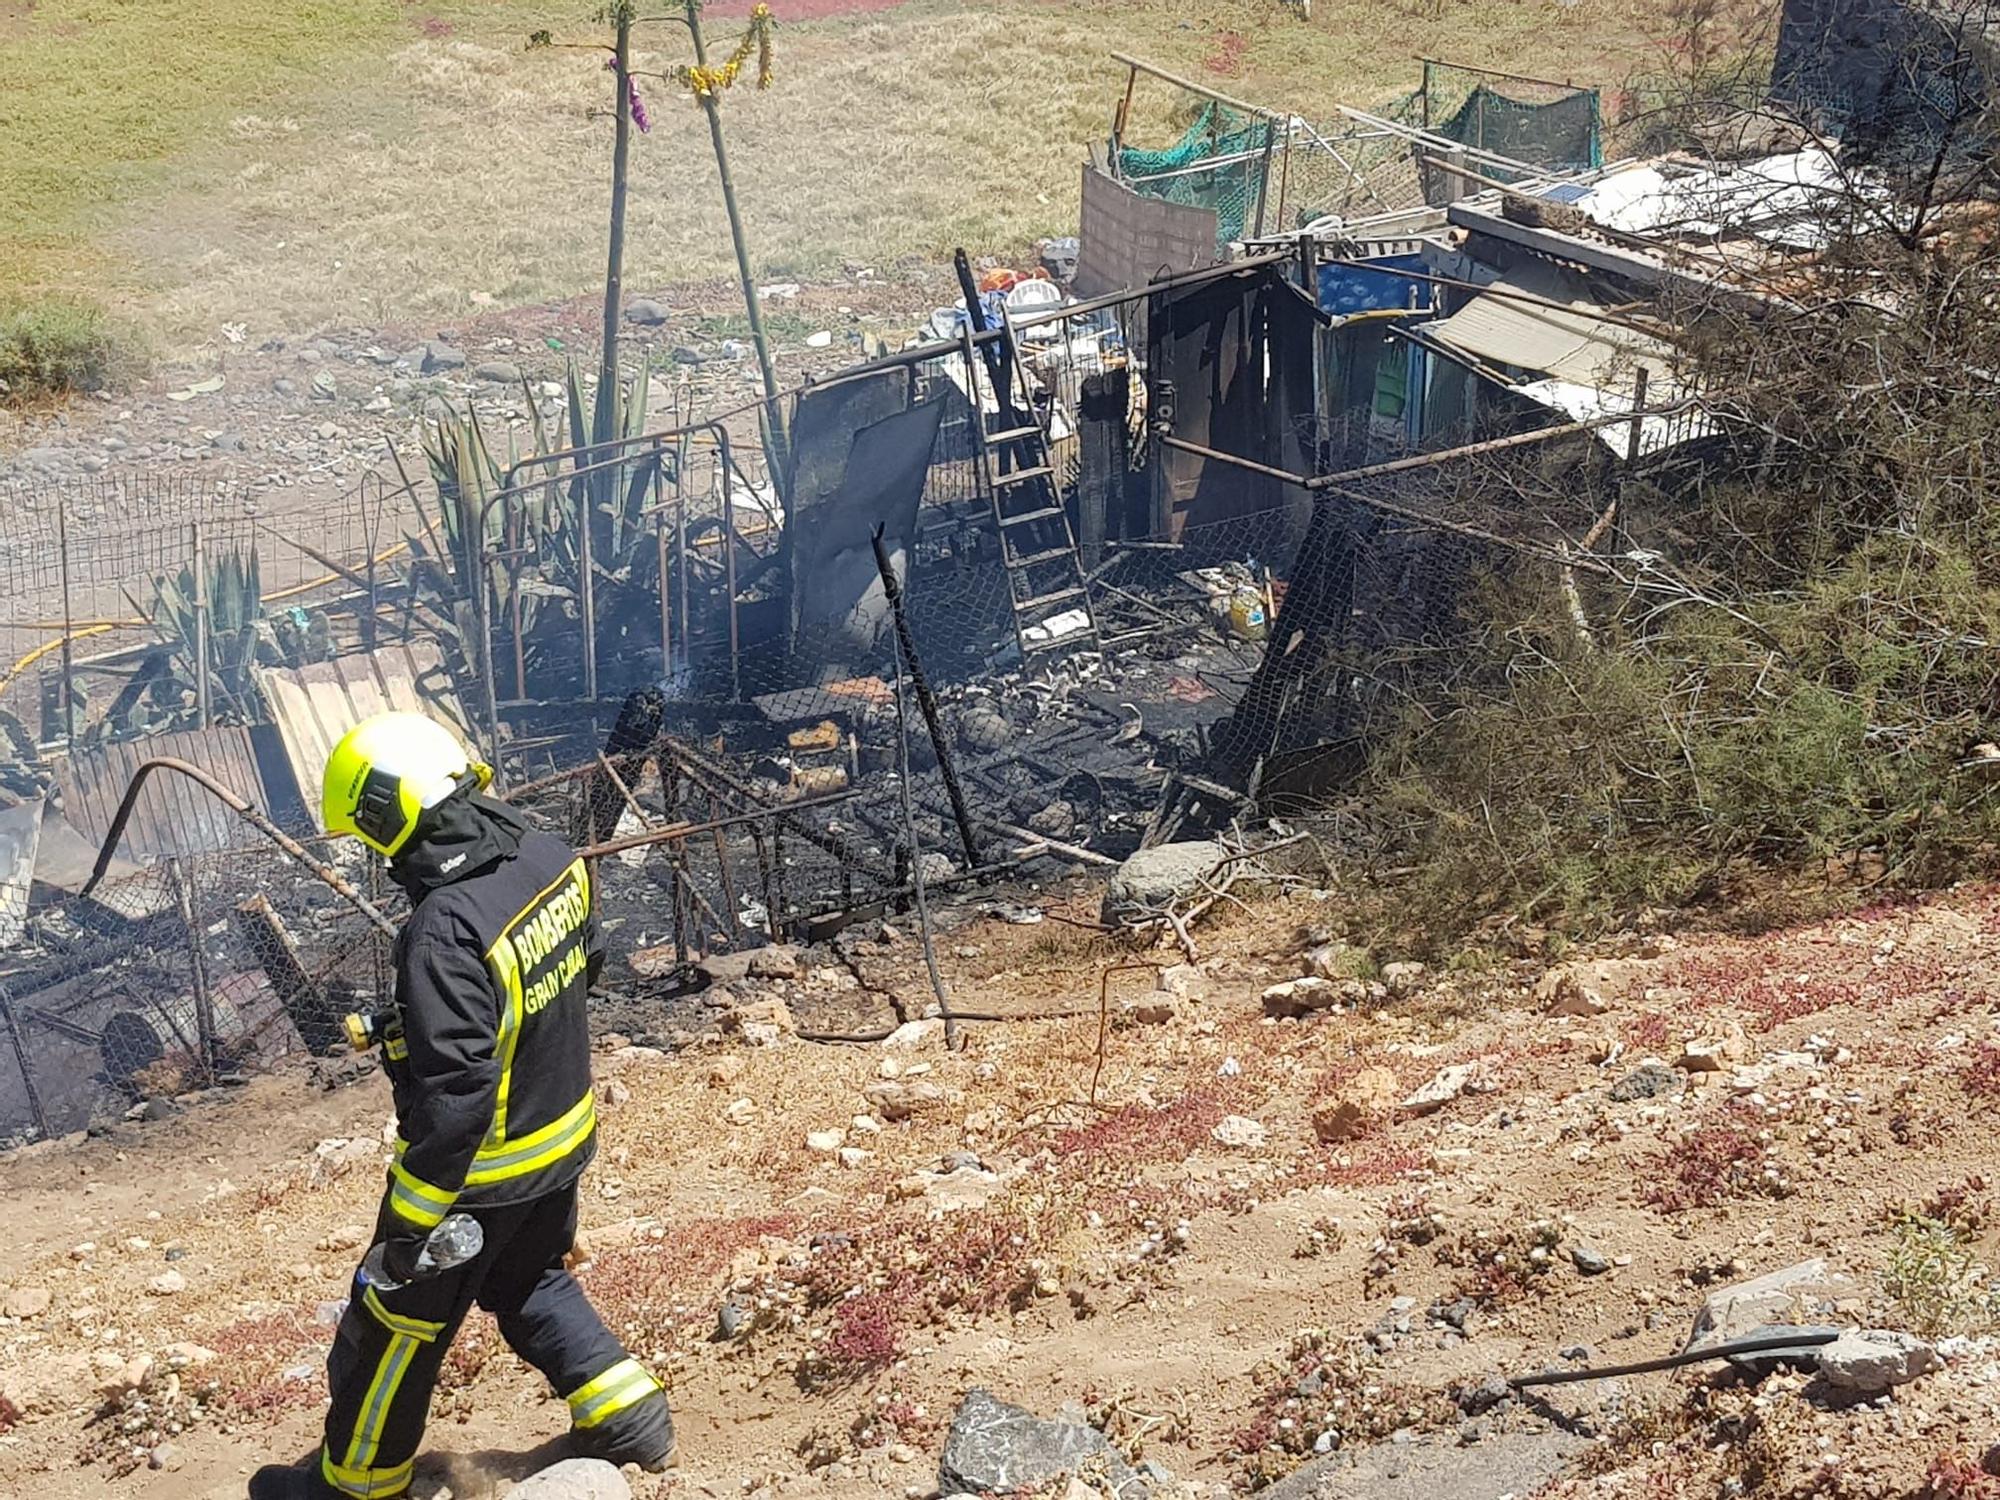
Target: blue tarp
x=1350 y=289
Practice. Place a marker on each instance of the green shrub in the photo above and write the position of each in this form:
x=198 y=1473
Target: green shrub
x=52 y=347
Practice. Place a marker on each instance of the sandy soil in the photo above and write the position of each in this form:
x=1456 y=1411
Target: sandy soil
x=1117 y=1254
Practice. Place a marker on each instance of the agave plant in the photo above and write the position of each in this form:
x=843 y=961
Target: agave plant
x=235 y=609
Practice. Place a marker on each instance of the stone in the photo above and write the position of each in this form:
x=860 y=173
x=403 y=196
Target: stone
x=1869 y=1361
x=131 y=1375
x=497 y=372
x=896 y=1100
x=165 y=1458
x=1301 y=997
x=1184 y=982
x=853 y=1157
x=441 y=356
x=1153 y=1009
x=1239 y=1132
x=774 y=963
x=1336 y=961
x=1800 y=1294
x=1154 y=879
x=782 y=962
x=573 y=1479
x=1473 y=1077
x=725 y=1071
x=825 y=1142
x=740 y=1112
x=960 y=1188
x=187 y=1356
x=324 y=386
x=1563 y=992
x=1589 y=1262
x=1714 y=1054
x=168 y=1284
x=1358 y=1104
x=25 y=1302
x=912 y=1035
x=646 y=313
x=1402 y=978
x=730 y=1320
x=761 y=1023
x=1651 y=1080
x=995 y=1448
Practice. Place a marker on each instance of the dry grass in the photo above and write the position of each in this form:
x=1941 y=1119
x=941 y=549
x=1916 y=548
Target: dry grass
x=437 y=158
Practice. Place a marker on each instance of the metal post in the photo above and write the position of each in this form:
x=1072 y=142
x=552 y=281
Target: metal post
x=893 y=591
x=774 y=411
x=1264 y=177
x=621 y=149
x=68 y=662
x=21 y=1057
x=587 y=588
x=729 y=570
x=204 y=1004
x=666 y=600
x=203 y=706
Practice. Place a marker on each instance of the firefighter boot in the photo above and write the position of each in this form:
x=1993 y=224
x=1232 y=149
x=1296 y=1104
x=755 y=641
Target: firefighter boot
x=641 y=1433
x=292 y=1482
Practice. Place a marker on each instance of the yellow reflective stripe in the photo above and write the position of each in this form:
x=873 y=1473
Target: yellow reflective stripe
x=367 y=1439
x=416 y=1328
x=616 y=1389
x=506 y=967
x=398 y=1049
x=535 y=1151
x=366 y=1484
x=415 y=1200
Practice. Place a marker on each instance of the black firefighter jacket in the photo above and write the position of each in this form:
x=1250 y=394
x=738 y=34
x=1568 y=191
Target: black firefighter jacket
x=491 y=1072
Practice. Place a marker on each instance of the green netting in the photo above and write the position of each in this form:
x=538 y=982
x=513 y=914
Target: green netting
x=1231 y=189
x=1559 y=136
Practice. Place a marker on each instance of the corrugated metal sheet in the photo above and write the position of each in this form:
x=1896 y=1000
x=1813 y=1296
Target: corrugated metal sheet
x=314 y=706
x=1577 y=347
x=173 y=815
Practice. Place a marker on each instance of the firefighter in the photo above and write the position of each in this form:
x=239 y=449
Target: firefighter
x=488 y=1054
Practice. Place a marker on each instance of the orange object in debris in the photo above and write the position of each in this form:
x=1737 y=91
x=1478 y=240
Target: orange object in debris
x=1002 y=280
x=824 y=735
x=818 y=781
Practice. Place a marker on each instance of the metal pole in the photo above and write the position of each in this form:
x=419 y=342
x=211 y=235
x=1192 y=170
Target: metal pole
x=587 y=587
x=621 y=150
x=21 y=1057
x=1264 y=176
x=774 y=411
x=204 y=1004
x=893 y=591
x=666 y=603
x=203 y=707
x=729 y=569
x=68 y=662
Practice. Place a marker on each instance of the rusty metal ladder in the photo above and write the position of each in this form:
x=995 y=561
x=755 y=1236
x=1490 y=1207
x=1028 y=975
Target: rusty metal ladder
x=1045 y=576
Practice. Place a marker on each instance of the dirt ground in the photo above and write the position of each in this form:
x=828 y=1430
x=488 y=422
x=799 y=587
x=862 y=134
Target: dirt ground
x=1153 y=1228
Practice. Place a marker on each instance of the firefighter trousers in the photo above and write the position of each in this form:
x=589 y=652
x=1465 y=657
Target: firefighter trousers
x=388 y=1349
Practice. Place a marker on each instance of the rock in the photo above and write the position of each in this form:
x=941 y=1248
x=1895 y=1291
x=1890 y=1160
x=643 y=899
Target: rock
x=1714 y=1054
x=1647 y=1081
x=573 y=1479
x=1336 y=961
x=1473 y=1077
x=1184 y=982
x=441 y=356
x=165 y=1458
x=1156 y=878
x=853 y=1157
x=25 y=1302
x=1358 y=1104
x=825 y=1142
x=912 y=1035
x=168 y=1284
x=761 y=963
x=1402 y=978
x=187 y=1356
x=1589 y=1262
x=1055 y=821
x=1801 y=1294
x=761 y=1023
x=128 y=1376
x=960 y=1188
x=995 y=1448
x=740 y=1112
x=1301 y=997
x=284 y=385
x=1239 y=1132
x=646 y=313
x=725 y=1071
x=1562 y=992
x=730 y=1320
x=613 y=1093
x=497 y=372
x=1153 y=1009
x=324 y=386
x=897 y=1100
x=1870 y=1361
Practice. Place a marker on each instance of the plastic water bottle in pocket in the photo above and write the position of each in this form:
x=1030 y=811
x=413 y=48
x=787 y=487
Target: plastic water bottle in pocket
x=452 y=1243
